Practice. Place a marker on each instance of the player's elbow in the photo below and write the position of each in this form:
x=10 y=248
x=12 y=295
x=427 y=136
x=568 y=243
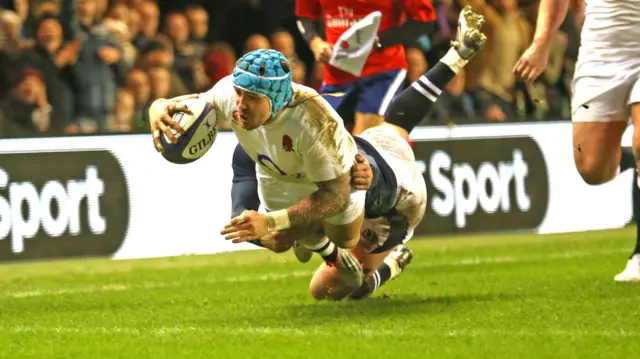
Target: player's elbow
x=333 y=196
x=277 y=246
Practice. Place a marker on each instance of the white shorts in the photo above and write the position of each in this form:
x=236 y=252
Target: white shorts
x=603 y=99
x=382 y=234
x=276 y=195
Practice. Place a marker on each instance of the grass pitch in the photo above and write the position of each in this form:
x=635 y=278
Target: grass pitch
x=504 y=296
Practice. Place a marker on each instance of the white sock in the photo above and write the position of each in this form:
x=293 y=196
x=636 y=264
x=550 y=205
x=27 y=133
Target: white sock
x=323 y=248
x=453 y=60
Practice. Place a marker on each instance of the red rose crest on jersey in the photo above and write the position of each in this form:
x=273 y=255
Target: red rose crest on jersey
x=287 y=143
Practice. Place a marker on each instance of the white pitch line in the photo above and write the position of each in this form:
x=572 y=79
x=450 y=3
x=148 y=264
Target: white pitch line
x=152 y=285
x=471 y=261
x=517 y=259
x=284 y=331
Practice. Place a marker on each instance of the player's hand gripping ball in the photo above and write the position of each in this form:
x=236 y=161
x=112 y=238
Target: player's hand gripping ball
x=196 y=130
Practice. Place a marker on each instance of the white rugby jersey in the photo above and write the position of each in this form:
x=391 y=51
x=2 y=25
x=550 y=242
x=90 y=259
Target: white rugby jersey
x=610 y=38
x=307 y=143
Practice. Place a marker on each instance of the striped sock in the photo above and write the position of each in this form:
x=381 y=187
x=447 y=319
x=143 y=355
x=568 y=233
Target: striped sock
x=388 y=270
x=410 y=107
x=326 y=249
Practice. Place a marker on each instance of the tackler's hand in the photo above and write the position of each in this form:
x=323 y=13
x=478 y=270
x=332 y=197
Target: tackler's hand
x=247 y=226
x=361 y=174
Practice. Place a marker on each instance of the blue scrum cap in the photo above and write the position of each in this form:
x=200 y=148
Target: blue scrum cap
x=262 y=71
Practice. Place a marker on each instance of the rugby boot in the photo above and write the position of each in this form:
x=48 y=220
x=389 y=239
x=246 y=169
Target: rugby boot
x=469 y=37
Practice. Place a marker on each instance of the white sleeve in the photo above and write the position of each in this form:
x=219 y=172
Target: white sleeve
x=223 y=96
x=329 y=154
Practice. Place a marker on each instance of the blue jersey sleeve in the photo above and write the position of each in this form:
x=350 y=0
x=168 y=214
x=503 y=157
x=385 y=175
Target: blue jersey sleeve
x=244 y=189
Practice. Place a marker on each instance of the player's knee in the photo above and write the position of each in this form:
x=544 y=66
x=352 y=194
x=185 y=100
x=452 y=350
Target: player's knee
x=595 y=170
x=348 y=241
x=326 y=292
x=318 y=292
x=281 y=247
x=319 y=285
x=345 y=236
x=327 y=284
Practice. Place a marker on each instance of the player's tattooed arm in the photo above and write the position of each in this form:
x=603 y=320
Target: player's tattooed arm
x=331 y=198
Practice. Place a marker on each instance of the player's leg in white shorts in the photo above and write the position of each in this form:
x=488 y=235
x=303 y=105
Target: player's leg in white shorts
x=277 y=195
x=601 y=109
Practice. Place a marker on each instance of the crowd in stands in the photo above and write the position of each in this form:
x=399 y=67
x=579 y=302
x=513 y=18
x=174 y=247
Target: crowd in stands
x=94 y=66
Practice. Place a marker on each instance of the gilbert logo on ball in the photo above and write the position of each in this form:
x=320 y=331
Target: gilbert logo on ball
x=200 y=131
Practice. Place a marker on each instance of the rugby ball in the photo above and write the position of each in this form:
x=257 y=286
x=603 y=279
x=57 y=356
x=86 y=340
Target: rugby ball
x=200 y=131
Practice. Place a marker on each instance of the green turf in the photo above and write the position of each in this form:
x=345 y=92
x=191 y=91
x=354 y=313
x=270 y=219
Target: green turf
x=506 y=296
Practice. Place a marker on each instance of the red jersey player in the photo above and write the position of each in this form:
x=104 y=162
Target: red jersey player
x=403 y=22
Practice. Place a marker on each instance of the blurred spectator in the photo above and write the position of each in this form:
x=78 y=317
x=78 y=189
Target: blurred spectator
x=100 y=69
x=299 y=72
x=101 y=8
x=39 y=10
x=13 y=26
x=417 y=64
x=123 y=115
x=220 y=61
x=256 y=42
x=282 y=41
x=201 y=82
x=85 y=66
x=25 y=111
x=454 y=105
x=490 y=77
x=198 y=24
x=133 y=24
x=20 y=7
x=447 y=13
x=55 y=63
x=138 y=84
x=185 y=53
x=160 y=53
x=160 y=83
x=12 y=62
x=315 y=77
x=149 y=22
x=47 y=7
x=119 y=11
x=118 y=31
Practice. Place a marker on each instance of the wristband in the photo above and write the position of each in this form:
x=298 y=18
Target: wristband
x=278 y=221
